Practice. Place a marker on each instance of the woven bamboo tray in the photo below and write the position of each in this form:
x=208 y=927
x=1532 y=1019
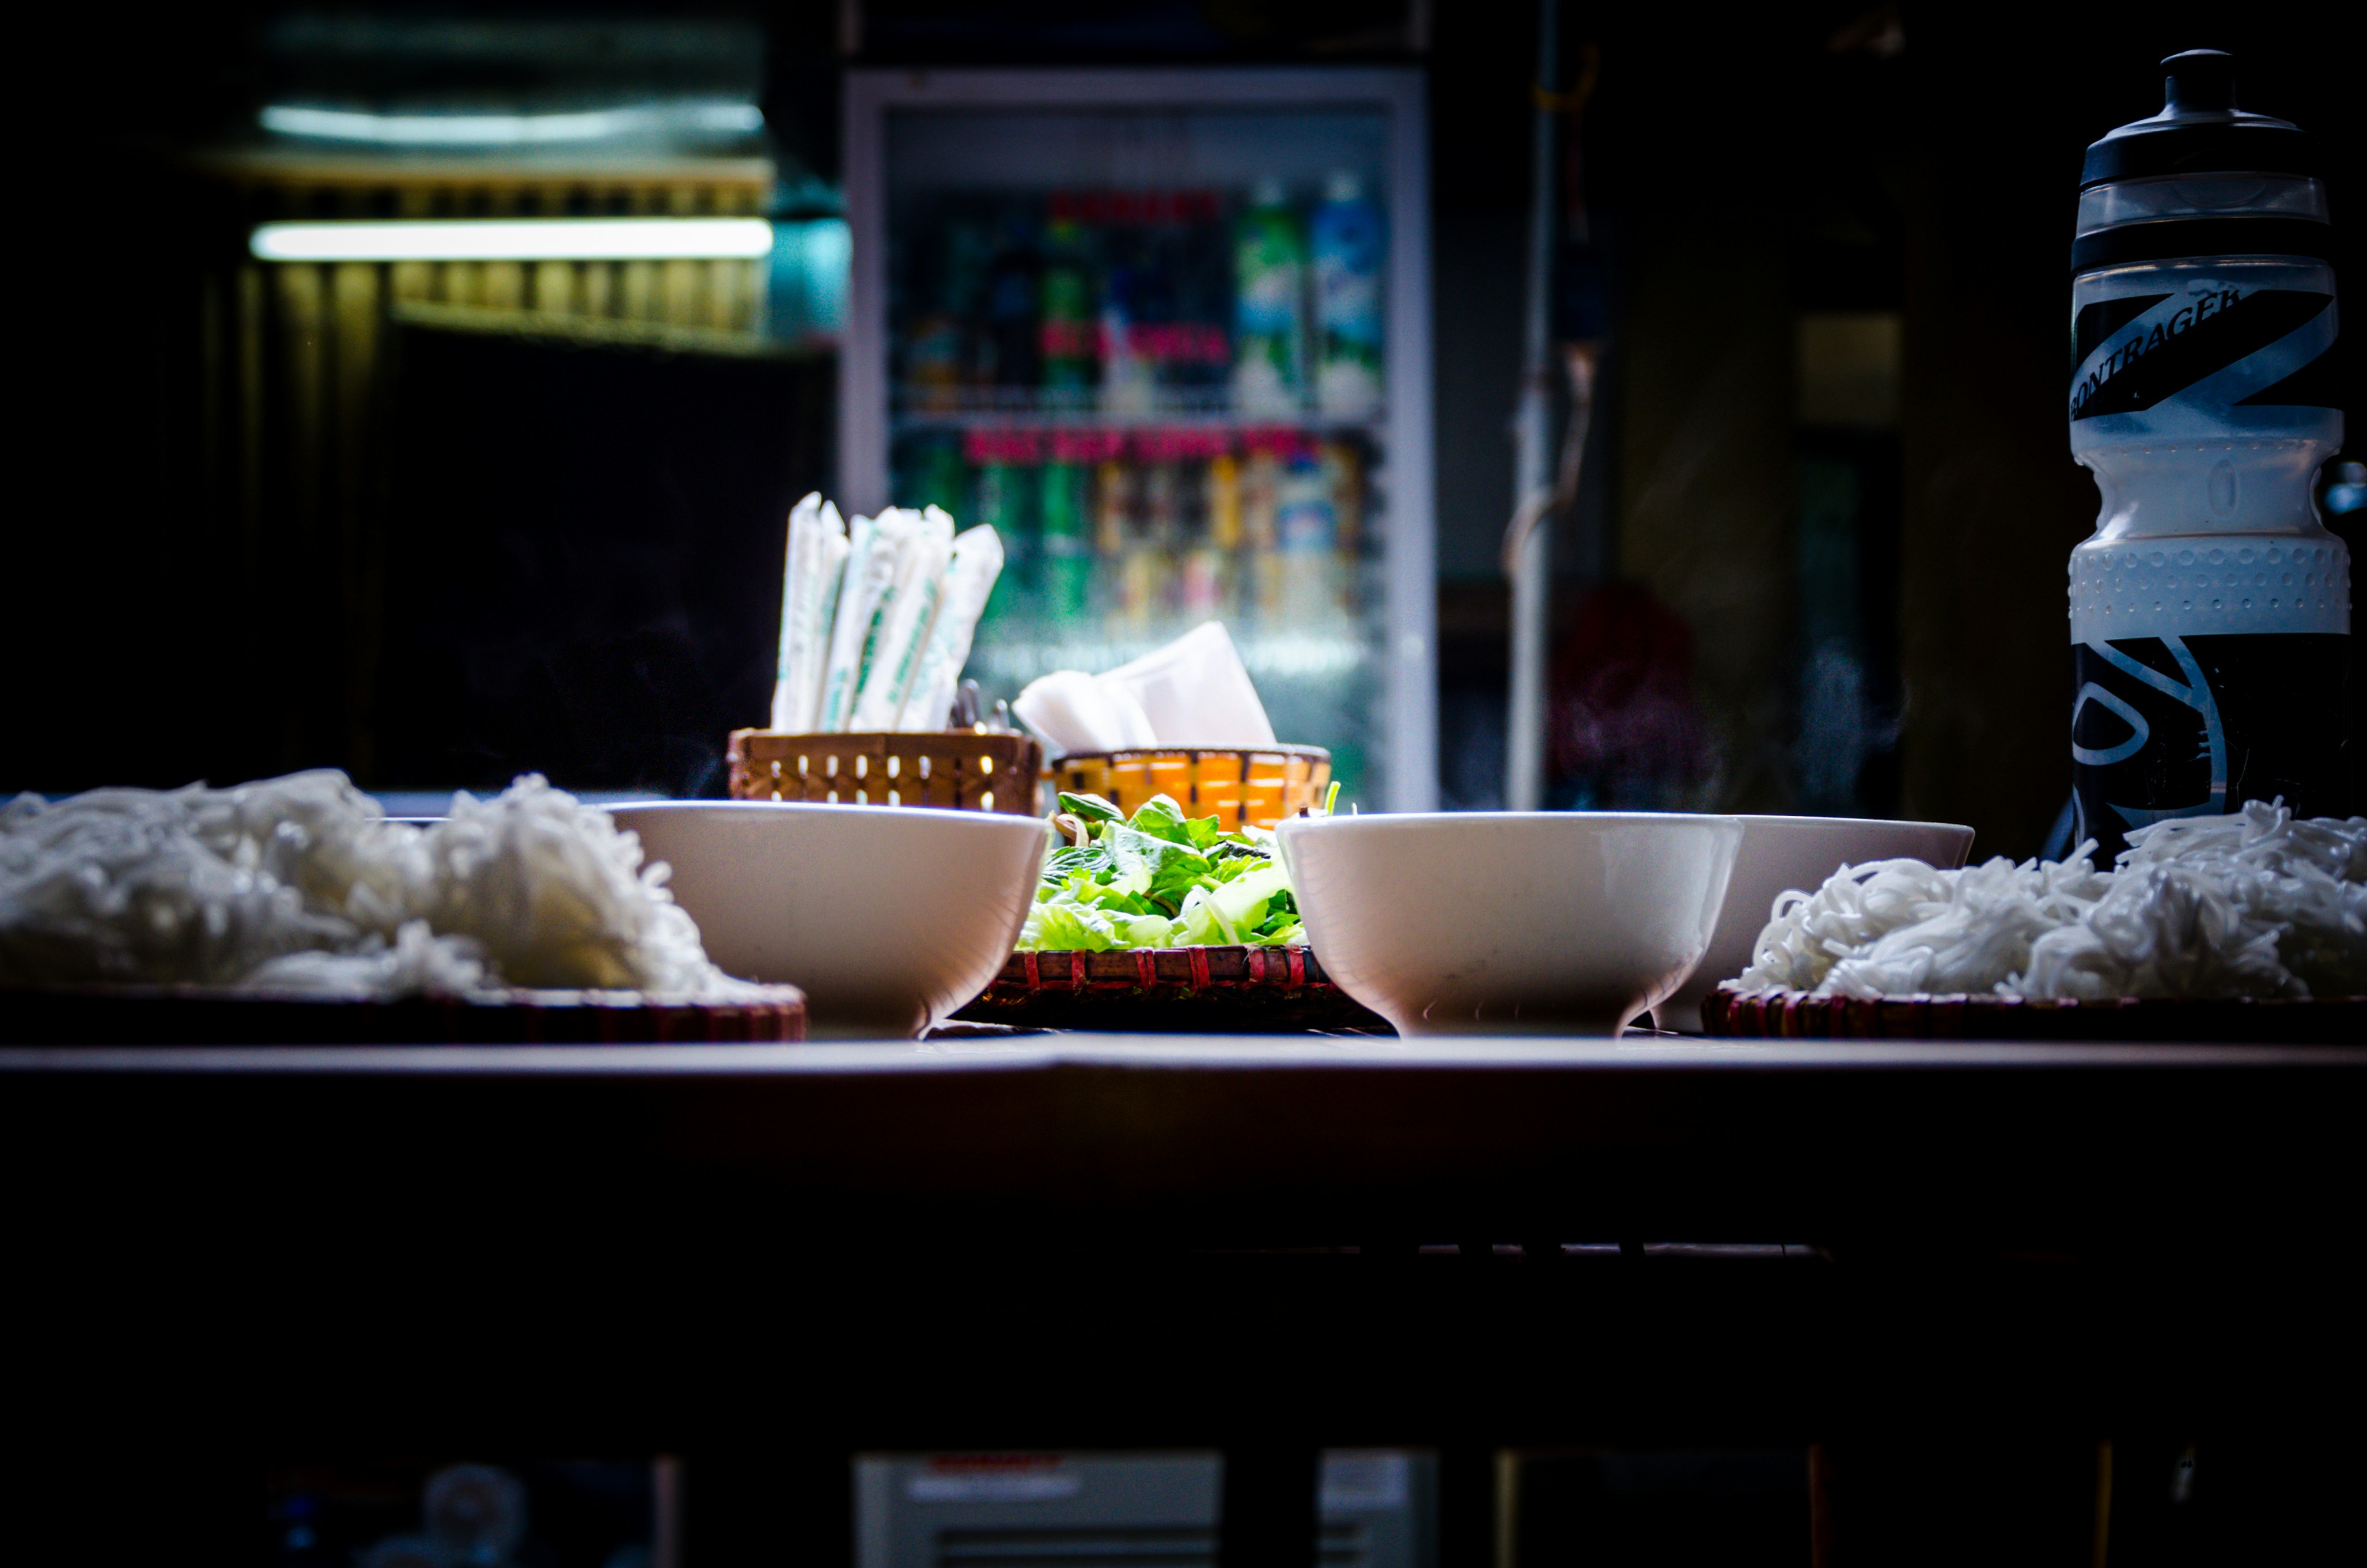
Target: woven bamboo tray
x=1796 y=1014
x=965 y=771
x=1260 y=785
x=1170 y=991
x=189 y=1015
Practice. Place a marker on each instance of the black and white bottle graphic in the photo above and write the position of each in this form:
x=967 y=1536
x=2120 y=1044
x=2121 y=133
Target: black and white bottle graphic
x=2210 y=613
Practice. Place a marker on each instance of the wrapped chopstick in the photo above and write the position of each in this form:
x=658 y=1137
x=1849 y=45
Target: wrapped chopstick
x=817 y=555
x=977 y=562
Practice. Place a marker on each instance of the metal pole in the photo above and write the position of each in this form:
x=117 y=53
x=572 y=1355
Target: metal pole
x=1532 y=566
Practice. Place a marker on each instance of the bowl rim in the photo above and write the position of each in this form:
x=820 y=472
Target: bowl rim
x=827 y=808
x=1789 y=820
x=1433 y=819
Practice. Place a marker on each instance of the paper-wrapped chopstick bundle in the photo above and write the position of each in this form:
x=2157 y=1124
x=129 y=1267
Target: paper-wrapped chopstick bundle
x=876 y=617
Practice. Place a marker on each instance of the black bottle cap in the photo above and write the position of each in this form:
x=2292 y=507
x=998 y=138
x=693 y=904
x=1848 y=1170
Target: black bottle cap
x=2200 y=130
x=2201 y=81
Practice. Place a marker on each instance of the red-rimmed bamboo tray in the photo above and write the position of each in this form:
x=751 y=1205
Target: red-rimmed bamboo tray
x=1172 y=991
x=188 y=1015
x=1734 y=1013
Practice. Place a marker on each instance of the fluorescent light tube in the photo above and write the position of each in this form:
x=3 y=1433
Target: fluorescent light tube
x=517 y=239
x=511 y=129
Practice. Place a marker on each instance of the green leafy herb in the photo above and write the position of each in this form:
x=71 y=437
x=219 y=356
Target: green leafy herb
x=1159 y=880
x=1092 y=807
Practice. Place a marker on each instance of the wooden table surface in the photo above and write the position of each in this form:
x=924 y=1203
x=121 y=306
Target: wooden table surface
x=1080 y=1239
x=1305 y=1141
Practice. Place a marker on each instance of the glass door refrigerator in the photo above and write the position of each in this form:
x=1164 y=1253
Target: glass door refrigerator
x=1169 y=332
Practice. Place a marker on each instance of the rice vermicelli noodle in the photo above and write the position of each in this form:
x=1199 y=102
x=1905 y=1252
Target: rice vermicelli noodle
x=2252 y=904
x=300 y=883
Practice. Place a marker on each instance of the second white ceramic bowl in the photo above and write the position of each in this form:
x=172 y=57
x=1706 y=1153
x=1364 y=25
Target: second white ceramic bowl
x=887 y=917
x=1781 y=853
x=1510 y=922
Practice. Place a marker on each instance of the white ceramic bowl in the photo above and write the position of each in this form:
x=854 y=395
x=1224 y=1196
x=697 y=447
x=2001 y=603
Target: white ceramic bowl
x=887 y=917
x=1510 y=922
x=1780 y=853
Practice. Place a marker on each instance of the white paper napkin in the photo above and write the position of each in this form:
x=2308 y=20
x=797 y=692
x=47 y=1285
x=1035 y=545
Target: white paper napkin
x=1193 y=692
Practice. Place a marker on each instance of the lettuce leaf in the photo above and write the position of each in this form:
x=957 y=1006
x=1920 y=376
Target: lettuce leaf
x=1159 y=878
x=1161 y=817
x=1090 y=808
x=1160 y=870
x=1062 y=925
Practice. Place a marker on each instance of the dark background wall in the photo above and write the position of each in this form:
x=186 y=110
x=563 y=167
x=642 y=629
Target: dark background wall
x=1738 y=169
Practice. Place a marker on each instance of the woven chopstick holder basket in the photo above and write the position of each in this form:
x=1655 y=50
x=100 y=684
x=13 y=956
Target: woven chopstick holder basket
x=964 y=770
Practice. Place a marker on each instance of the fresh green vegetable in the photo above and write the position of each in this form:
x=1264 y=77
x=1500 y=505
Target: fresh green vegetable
x=1159 y=880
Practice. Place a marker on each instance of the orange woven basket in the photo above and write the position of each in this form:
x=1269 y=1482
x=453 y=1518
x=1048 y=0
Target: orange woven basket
x=965 y=770
x=1258 y=785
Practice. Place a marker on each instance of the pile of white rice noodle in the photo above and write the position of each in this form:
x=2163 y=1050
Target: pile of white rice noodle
x=301 y=884
x=2253 y=904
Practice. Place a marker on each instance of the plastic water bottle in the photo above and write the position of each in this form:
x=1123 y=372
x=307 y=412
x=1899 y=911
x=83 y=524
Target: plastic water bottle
x=2211 y=610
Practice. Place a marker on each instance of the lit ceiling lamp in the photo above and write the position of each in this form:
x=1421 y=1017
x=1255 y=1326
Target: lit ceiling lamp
x=520 y=239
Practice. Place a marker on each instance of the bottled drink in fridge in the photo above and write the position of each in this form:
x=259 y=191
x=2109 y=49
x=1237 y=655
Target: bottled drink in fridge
x=1344 y=476
x=1212 y=588
x=1002 y=506
x=1129 y=301
x=1305 y=522
x=1189 y=259
x=933 y=361
x=1066 y=312
x=1307 y=530
x=1162 y=502
x=1346 y=243
x=1200 y=581
x=1114 y=506
x=938 y=480
x=961 y=286
x=1002 y=498
x=1068 y=558
x=1010 y=349
x=2211 y=610
x=1269 y=305
x=1224 y=501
